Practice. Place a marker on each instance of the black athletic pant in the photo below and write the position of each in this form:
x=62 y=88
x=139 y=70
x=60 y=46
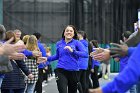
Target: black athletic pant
x=82 y=79
x=88 y=81
x=66 y=80
x=94 y=77
x=38 y=87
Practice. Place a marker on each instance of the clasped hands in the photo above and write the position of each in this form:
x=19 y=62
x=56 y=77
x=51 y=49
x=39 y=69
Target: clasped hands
x=117 y=50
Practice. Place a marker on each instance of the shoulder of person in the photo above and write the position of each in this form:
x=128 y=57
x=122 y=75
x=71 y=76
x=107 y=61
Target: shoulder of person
x=20 y=42
x=77 y=42
x=85 y=42
x=59 y=42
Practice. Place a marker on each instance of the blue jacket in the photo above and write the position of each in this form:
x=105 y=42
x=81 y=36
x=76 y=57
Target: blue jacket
x=42 y=49
x=128 y=77
x=95 y=62
x=83 y=62
x=68 y=60
x=27 y=52
x=131 y=50
x=123 y=62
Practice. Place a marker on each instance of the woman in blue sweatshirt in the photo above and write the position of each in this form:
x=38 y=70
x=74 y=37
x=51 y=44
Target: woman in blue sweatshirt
x=68 y=51
x=83 y=62
x=95 y=66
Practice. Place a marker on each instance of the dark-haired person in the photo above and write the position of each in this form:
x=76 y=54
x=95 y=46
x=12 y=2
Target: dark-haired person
x=41 y=66
x=95 y=66
x=83 y=62
x=124 y=60
x=68 y=51
x=130 y=74
x=127 y=78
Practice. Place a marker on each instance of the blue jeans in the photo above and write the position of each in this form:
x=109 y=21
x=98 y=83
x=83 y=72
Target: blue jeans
x=12 y=90
x=133 y=89
x=1 y=79
x=30 y=88
x=138 y=87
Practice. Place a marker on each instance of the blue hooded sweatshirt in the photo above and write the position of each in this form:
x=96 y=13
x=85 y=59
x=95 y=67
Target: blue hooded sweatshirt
x=128 y=77
x=68 y=60
x=83 y=62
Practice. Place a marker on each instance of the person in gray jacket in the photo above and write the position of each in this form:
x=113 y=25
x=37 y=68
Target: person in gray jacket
x=8 y=50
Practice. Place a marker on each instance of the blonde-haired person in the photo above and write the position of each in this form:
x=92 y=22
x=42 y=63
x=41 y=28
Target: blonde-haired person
x=48 y=51
x=41 y=66
x=31 y=62
x=25 y=38
x=27 y=52
x=48 y=71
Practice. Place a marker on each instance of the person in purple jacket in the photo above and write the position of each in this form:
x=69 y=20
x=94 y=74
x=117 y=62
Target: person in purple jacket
x=68 y=51
x=41 y=66
x=83 y=62
x=124 y=60
x=130 y=75
x=95 y=66
x=127 y=78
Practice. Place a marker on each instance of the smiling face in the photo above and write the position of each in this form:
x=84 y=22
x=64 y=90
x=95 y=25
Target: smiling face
x=17 y=34
x=69 y=33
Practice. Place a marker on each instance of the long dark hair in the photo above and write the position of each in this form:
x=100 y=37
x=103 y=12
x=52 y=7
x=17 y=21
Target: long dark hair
x=83 y=33
x=75 y=32
x=94 y=43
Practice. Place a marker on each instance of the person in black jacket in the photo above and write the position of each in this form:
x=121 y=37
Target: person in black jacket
x=13 y=82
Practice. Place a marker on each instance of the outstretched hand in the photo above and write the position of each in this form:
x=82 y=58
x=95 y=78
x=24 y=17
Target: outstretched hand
x=9 y=49
x=118 y=50
x=17 y=56
x=98 y=90
x=100 y=54
x=41 y=59
x=97 y=51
